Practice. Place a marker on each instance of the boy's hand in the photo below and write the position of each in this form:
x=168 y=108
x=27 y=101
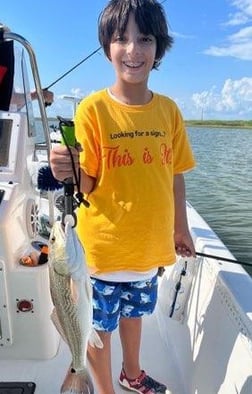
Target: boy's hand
x=184 y=245
x=60 y=162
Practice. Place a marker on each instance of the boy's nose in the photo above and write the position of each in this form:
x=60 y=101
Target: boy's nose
x=132 y=46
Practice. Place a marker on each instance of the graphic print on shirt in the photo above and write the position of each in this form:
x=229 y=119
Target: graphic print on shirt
x=118 y=156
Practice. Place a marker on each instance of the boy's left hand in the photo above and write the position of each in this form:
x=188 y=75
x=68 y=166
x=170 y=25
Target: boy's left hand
x=184 y=245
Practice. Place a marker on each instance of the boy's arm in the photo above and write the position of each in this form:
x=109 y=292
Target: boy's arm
x=182 y=237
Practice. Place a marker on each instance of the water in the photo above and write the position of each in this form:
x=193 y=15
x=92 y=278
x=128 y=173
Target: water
x=220 y=187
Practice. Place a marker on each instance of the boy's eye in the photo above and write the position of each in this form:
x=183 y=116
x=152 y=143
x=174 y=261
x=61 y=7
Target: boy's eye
x=147 y=39
x=119 y=38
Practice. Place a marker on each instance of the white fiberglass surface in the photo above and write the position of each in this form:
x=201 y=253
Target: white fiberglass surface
x=48 y=375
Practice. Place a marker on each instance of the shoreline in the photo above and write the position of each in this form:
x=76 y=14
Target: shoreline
x=231 y=124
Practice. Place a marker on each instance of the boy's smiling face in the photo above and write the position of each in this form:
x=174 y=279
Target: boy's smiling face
x=132 y=54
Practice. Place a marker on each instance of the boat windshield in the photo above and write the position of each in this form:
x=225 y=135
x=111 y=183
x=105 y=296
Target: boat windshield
x=21 y=93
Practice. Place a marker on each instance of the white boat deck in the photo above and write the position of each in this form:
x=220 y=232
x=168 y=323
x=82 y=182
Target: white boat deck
x=49 y=374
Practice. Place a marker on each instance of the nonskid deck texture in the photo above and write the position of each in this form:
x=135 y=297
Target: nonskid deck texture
x=156 y=359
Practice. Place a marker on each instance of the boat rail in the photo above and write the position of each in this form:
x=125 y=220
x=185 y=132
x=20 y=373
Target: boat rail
x=35 y=73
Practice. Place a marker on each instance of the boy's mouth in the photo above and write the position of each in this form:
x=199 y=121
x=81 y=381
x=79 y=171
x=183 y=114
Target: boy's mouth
x=133 y=64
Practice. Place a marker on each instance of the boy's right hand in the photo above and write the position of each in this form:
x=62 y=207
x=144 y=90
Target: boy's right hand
x=60 y=162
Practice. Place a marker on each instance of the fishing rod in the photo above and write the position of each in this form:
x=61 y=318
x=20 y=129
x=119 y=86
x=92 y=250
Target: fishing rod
x=73 y=68
x=184 y=272
x=223 y=259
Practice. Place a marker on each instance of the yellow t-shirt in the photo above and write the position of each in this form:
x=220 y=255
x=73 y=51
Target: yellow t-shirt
x=133 y=151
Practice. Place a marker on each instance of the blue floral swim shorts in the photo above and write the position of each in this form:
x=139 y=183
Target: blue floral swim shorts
x=113 y=300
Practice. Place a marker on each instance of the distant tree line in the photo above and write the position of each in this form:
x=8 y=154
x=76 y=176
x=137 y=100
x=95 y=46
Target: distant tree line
x=246 y=124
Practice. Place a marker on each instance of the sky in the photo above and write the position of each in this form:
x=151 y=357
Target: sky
x=208 y=71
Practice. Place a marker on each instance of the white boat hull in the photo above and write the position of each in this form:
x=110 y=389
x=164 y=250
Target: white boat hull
x=212 y=346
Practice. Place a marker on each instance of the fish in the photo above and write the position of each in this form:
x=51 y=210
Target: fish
x=71 y=293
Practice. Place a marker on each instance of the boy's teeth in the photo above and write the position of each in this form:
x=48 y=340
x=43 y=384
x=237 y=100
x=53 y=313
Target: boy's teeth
x=132 y=64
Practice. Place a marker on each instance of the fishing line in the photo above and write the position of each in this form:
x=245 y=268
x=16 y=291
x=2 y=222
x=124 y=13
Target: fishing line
x=222 y=259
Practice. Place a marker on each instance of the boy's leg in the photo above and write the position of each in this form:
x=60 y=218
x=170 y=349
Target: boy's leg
x=100 y=363
x=138 y=299
x=105 y=320
x=130 y=334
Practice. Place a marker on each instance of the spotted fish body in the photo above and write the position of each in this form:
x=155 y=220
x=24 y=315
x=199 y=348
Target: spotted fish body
x=71 y=294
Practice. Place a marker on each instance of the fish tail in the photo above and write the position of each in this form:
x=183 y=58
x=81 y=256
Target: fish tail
x=77 y=383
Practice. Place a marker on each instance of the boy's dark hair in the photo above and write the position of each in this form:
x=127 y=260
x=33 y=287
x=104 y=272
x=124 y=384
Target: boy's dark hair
x=149 y=16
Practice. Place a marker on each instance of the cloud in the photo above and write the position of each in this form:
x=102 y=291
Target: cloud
x=238 y=44
x=234 y=99
x=181 y=35
x=243 y=14
x=77 y=92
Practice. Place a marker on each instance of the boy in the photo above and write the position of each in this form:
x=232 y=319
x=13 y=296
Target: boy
x=134 y=152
